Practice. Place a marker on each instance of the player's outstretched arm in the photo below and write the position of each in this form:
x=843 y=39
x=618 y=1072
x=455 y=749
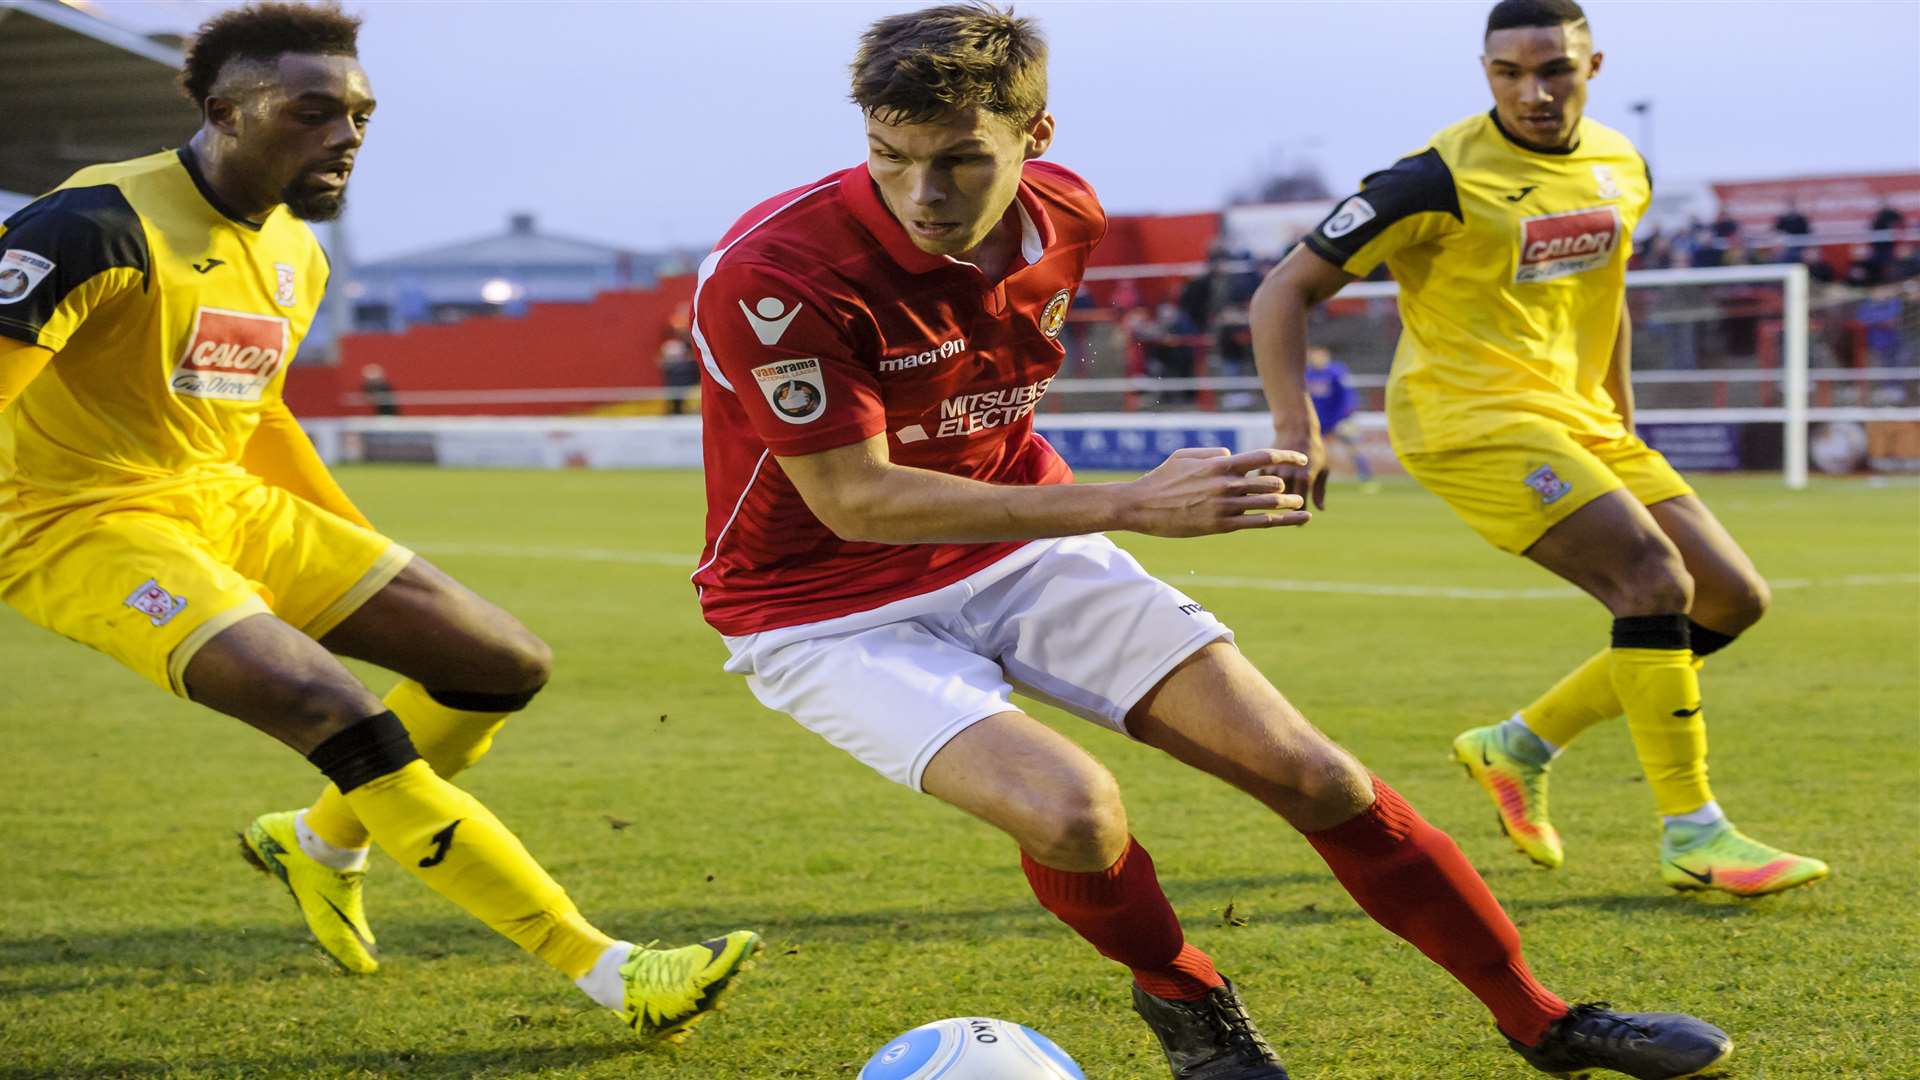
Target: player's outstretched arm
x=281 y=454
x=859 y=493
x=1279 y=328
x=19 y=364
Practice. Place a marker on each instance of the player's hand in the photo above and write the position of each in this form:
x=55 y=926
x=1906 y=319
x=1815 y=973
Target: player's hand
x=1298 y=433
x=1202 y=491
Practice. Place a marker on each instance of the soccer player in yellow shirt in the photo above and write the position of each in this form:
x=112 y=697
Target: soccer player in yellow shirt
x=159 y=503
x=1509 y=235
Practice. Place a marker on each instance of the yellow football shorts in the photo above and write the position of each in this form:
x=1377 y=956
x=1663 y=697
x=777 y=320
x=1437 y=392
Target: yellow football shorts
x=149 y=579
x=1527 y=476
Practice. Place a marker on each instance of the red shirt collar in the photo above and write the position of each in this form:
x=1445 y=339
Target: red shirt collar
x=863 y=200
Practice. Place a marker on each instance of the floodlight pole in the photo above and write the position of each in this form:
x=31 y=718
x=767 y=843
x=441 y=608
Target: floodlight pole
x=1644 y=110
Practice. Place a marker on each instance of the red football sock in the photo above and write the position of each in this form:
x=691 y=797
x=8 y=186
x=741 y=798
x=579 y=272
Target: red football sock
x=1122 y=911
x=1415 y=882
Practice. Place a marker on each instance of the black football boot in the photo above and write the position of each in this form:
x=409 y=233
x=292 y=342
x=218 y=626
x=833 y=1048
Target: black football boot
x=1209 y=1039
x=1646 y=1046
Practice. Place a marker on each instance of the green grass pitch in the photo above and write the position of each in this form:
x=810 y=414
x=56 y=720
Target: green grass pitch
x=134 y=942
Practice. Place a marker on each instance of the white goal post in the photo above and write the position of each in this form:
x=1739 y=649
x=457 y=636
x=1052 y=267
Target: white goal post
x=1793 y=378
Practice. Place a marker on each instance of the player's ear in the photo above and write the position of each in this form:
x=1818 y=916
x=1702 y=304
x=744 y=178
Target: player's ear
x=1593 y=64
x=1039 y=135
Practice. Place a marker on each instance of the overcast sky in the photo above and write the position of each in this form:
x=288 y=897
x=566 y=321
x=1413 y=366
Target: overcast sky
x=656 y=124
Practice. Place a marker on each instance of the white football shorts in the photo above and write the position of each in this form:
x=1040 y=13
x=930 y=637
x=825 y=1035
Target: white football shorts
x=1075 y=622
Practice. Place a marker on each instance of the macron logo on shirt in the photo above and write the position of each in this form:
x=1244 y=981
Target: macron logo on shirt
x=769 y=318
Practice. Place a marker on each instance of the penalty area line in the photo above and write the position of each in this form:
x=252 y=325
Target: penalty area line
x=1282 y=585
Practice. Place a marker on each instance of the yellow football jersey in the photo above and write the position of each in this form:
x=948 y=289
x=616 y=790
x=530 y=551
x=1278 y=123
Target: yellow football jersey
x=172 y=321
x=1511 y=265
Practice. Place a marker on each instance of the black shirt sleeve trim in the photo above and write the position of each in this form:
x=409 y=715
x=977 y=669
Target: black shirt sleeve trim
x=84 y=232
x=192 y=164
x=1419 y=184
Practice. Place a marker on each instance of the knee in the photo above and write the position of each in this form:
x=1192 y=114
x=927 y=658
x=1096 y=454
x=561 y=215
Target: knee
x=519 y=664
x=1080 y=825
x=1317 y=785
x=531 y=662
x=1655 y=582
x=1748 y=602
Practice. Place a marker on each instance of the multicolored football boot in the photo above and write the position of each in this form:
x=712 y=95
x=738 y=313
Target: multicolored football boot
x=1719 y=856
x=670 y=990
x=329 y=899
x=1518 y=787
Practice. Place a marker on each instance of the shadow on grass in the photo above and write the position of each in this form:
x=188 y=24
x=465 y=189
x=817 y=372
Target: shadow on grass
x=1717 y=909
x=495 y=1061
x=197 y=955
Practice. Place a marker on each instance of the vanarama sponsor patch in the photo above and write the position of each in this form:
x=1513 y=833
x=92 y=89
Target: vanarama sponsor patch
x=231 y=355
x=795 y=389
x=20 y=271
x=1556 y=245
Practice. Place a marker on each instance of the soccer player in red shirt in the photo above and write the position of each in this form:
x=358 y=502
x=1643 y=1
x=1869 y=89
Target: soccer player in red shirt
x=891 y=548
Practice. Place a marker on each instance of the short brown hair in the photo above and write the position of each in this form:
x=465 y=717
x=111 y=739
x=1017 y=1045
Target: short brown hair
x=922 y=65
x=264 y=31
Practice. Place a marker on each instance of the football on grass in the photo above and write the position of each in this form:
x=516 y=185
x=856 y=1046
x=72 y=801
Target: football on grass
x=971 y=1048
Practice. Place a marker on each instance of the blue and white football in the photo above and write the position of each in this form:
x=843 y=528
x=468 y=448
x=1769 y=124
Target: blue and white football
x=971 y=1048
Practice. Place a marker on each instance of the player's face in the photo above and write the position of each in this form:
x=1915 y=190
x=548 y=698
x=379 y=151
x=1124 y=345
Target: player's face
x=950 y=181
x=300 y=133
x=1539 y=79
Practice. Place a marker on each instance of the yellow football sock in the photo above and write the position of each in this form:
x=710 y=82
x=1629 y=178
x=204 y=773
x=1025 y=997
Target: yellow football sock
x=1661 y=691
x=450 y=740
x=454 y=844
x=1583 y=698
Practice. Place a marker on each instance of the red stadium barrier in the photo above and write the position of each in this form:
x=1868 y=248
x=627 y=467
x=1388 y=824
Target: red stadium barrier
x=612 y=341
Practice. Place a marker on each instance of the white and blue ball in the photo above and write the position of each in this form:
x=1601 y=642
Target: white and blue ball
x=971 y=1048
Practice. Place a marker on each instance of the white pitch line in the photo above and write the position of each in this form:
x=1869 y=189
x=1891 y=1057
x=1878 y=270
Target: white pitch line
x=1282 y=585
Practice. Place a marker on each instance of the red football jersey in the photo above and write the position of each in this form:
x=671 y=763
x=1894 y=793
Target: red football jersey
x=820 y=325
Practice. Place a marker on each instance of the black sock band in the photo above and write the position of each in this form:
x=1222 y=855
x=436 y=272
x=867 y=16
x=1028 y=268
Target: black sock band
x=468 y=701
x=375 y=747
x=1650 y=632
x=1706 y=640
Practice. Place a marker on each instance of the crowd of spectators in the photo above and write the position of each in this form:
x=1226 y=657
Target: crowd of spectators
x=1205 y=329
x=1723 y=242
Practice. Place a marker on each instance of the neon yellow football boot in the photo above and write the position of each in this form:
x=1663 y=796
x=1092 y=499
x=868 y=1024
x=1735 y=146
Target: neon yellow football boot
x=329 y=899
x=670 y=990
x=1719 y=856
x=1518 y=787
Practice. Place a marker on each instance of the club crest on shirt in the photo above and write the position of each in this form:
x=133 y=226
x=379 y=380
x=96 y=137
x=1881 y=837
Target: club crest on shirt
x=20 y=271
x=1556 y=245
x=796 y=389
x=230 y=355
x=284 y=291
x=156 y=603
x=1547 y=484
x=1603 y=179
x=1054 y=318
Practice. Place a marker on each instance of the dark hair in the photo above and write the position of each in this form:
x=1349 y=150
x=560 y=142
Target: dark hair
x=1508 y=14
x=264 y=31
x=921 y=65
